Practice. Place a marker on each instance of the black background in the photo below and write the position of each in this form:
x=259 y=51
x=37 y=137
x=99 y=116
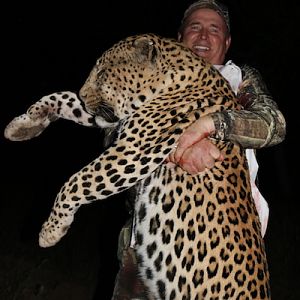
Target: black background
x=48 y=47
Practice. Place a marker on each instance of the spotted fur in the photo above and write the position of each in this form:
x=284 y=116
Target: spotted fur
x=197 y=237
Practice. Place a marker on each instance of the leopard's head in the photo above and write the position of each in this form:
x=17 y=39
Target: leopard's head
x=134 y=71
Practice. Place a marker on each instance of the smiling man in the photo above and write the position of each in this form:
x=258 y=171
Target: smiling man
x=205 y=29
x=206 y=33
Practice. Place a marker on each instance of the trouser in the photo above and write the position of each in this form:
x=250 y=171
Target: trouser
x=128 y=285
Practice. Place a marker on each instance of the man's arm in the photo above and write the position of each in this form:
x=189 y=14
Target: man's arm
x=259 y=124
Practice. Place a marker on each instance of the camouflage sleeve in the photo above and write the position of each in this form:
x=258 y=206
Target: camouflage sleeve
x=260 y=123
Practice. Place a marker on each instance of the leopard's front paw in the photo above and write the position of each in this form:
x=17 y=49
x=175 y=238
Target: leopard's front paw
x=52 y=232
x=24 y=128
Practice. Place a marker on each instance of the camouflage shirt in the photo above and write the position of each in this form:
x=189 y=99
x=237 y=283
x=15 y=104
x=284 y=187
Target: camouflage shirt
x=260 y=123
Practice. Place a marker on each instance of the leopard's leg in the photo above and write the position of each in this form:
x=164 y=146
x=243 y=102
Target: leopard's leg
x=125 y=163
x=64 y=105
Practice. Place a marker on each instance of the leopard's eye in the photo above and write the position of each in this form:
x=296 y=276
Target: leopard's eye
x=100 y=72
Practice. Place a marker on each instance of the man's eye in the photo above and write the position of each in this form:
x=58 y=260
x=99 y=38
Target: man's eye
x=214 y=30
x=195 y=27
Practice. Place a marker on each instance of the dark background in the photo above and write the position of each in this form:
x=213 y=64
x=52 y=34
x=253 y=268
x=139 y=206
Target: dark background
x=50 y=47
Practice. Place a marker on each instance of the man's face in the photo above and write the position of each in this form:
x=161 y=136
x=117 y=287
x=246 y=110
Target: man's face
x=206 y=34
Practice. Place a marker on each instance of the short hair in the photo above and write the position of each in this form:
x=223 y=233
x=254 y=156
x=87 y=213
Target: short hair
x=220 y=8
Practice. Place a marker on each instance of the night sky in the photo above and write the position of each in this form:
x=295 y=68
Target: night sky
x=52 y=47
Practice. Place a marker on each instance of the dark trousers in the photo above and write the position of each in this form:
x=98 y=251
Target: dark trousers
x=128 y=284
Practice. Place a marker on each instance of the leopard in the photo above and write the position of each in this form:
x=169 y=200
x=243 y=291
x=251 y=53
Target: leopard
x=196 y=236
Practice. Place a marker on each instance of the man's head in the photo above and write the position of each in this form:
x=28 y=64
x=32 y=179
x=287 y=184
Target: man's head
x=205 y=30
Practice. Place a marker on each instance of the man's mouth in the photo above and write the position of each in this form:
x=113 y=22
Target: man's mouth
x=201 y=48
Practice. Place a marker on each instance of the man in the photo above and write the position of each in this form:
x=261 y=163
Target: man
x=205 y=29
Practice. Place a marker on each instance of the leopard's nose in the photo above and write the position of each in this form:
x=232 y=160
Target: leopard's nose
x=83 y=93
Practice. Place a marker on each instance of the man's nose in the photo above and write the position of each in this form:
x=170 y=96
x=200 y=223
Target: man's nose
x=203 y=34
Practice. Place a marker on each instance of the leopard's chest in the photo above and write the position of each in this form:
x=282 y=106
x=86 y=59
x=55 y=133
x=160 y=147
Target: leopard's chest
x=190 y=230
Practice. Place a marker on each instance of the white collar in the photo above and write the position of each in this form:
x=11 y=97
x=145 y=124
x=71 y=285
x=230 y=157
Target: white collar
x=232 y=73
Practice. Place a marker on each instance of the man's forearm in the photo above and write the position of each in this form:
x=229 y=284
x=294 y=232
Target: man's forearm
x=259 y=124
x=249 y=129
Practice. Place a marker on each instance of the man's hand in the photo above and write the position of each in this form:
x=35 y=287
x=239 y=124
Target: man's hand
x=194 y=152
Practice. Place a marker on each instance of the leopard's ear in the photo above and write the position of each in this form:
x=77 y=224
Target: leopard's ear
x=145 y=50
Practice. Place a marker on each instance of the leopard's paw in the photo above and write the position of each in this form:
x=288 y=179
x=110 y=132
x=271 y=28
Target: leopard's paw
x=52 y=232
x=23 y=128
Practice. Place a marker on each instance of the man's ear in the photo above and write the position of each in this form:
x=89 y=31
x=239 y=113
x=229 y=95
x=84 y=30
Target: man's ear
x=179 y=37
x=228 y=42
x=145 y=49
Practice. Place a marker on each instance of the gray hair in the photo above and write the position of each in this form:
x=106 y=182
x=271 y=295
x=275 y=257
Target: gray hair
x=220 y=8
